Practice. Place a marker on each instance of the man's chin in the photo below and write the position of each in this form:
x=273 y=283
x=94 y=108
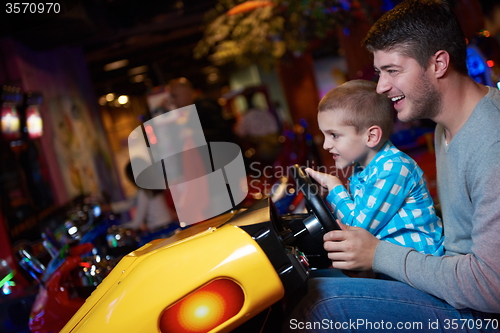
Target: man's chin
x=404 y=116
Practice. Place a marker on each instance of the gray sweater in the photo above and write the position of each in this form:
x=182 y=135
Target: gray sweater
x=468 y=275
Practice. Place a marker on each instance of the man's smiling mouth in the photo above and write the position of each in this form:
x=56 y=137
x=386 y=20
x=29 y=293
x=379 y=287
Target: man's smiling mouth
x=397 y=98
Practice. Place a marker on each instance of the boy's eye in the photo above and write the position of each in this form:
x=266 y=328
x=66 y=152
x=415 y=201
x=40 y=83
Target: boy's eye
x=334 y=135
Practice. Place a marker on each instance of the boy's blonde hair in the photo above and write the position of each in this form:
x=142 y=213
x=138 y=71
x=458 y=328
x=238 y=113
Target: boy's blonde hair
x=358 y=104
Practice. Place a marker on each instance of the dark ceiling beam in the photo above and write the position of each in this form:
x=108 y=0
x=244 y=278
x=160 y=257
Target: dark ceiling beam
x=141 y=44
x=158 y=33
x=166 y=25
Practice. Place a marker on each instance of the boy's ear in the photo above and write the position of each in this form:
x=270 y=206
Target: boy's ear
x=374 y=136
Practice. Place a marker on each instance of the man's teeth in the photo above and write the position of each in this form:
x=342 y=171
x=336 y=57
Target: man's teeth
x=397 y=98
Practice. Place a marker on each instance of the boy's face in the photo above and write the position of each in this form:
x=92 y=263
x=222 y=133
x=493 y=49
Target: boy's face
x=343 y=142
x=408 y=85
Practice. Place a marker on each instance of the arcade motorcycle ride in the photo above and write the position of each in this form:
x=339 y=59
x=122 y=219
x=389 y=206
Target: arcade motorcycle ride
x=215 y=275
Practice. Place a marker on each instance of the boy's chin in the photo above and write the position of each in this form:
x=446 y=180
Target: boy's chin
x=342 y=165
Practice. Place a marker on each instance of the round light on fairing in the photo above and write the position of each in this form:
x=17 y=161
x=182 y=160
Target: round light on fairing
x=204 y=309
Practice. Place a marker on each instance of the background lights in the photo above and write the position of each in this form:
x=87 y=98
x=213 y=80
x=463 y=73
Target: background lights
x=110 y=97
x=123 y=99
x=115 y=65
x=112 y=100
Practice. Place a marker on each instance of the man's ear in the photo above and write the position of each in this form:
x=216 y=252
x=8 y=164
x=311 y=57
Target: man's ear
x=441 y=62
x=374 y=135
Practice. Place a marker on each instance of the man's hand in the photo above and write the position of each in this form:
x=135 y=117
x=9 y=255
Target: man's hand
x=351 y=248
x=324 y=179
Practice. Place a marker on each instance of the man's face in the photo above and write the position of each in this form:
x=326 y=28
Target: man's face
x=408 y=85
x=181 y=95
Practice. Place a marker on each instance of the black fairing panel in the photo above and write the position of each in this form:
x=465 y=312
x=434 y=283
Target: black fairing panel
x=261 y=222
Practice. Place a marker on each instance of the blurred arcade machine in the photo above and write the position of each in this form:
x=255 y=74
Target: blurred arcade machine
x=24 y=185
x=480 y=69
x=24 y=194
x=258 y=147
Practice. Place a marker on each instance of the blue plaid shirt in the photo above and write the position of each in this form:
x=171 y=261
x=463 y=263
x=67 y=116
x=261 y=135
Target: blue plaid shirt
x=390 y=199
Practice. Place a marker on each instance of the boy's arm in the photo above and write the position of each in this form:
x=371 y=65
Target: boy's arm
x=374 y=202
x=119 y=207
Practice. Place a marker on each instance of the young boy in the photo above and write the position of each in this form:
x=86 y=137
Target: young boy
x=388 y=195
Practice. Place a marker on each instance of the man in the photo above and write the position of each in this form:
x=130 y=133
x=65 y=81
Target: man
x=182 y=92
x=419 y=52
x=215 y=127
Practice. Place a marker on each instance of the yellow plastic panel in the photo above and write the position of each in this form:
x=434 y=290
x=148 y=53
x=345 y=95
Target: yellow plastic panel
x=195 y=230
x=137 y=296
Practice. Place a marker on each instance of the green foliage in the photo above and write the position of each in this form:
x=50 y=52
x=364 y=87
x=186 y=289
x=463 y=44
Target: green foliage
x=267 y=33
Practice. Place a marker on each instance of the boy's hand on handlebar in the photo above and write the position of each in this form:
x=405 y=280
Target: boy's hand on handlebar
x=324 y=179
x=351 y=248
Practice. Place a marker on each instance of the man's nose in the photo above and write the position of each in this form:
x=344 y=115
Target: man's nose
x=383 y=85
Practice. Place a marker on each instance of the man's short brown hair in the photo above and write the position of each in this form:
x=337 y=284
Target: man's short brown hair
x=358 y=104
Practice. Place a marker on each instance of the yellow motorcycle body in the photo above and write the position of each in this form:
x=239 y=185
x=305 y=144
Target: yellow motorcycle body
x=211 y=277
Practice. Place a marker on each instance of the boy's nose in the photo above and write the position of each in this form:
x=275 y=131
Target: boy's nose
x=327 y=145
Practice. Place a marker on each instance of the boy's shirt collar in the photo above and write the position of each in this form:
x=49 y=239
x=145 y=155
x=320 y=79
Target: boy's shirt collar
x=362 y=174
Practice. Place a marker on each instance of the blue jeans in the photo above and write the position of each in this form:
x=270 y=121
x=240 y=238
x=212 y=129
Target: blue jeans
x=369 y=305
